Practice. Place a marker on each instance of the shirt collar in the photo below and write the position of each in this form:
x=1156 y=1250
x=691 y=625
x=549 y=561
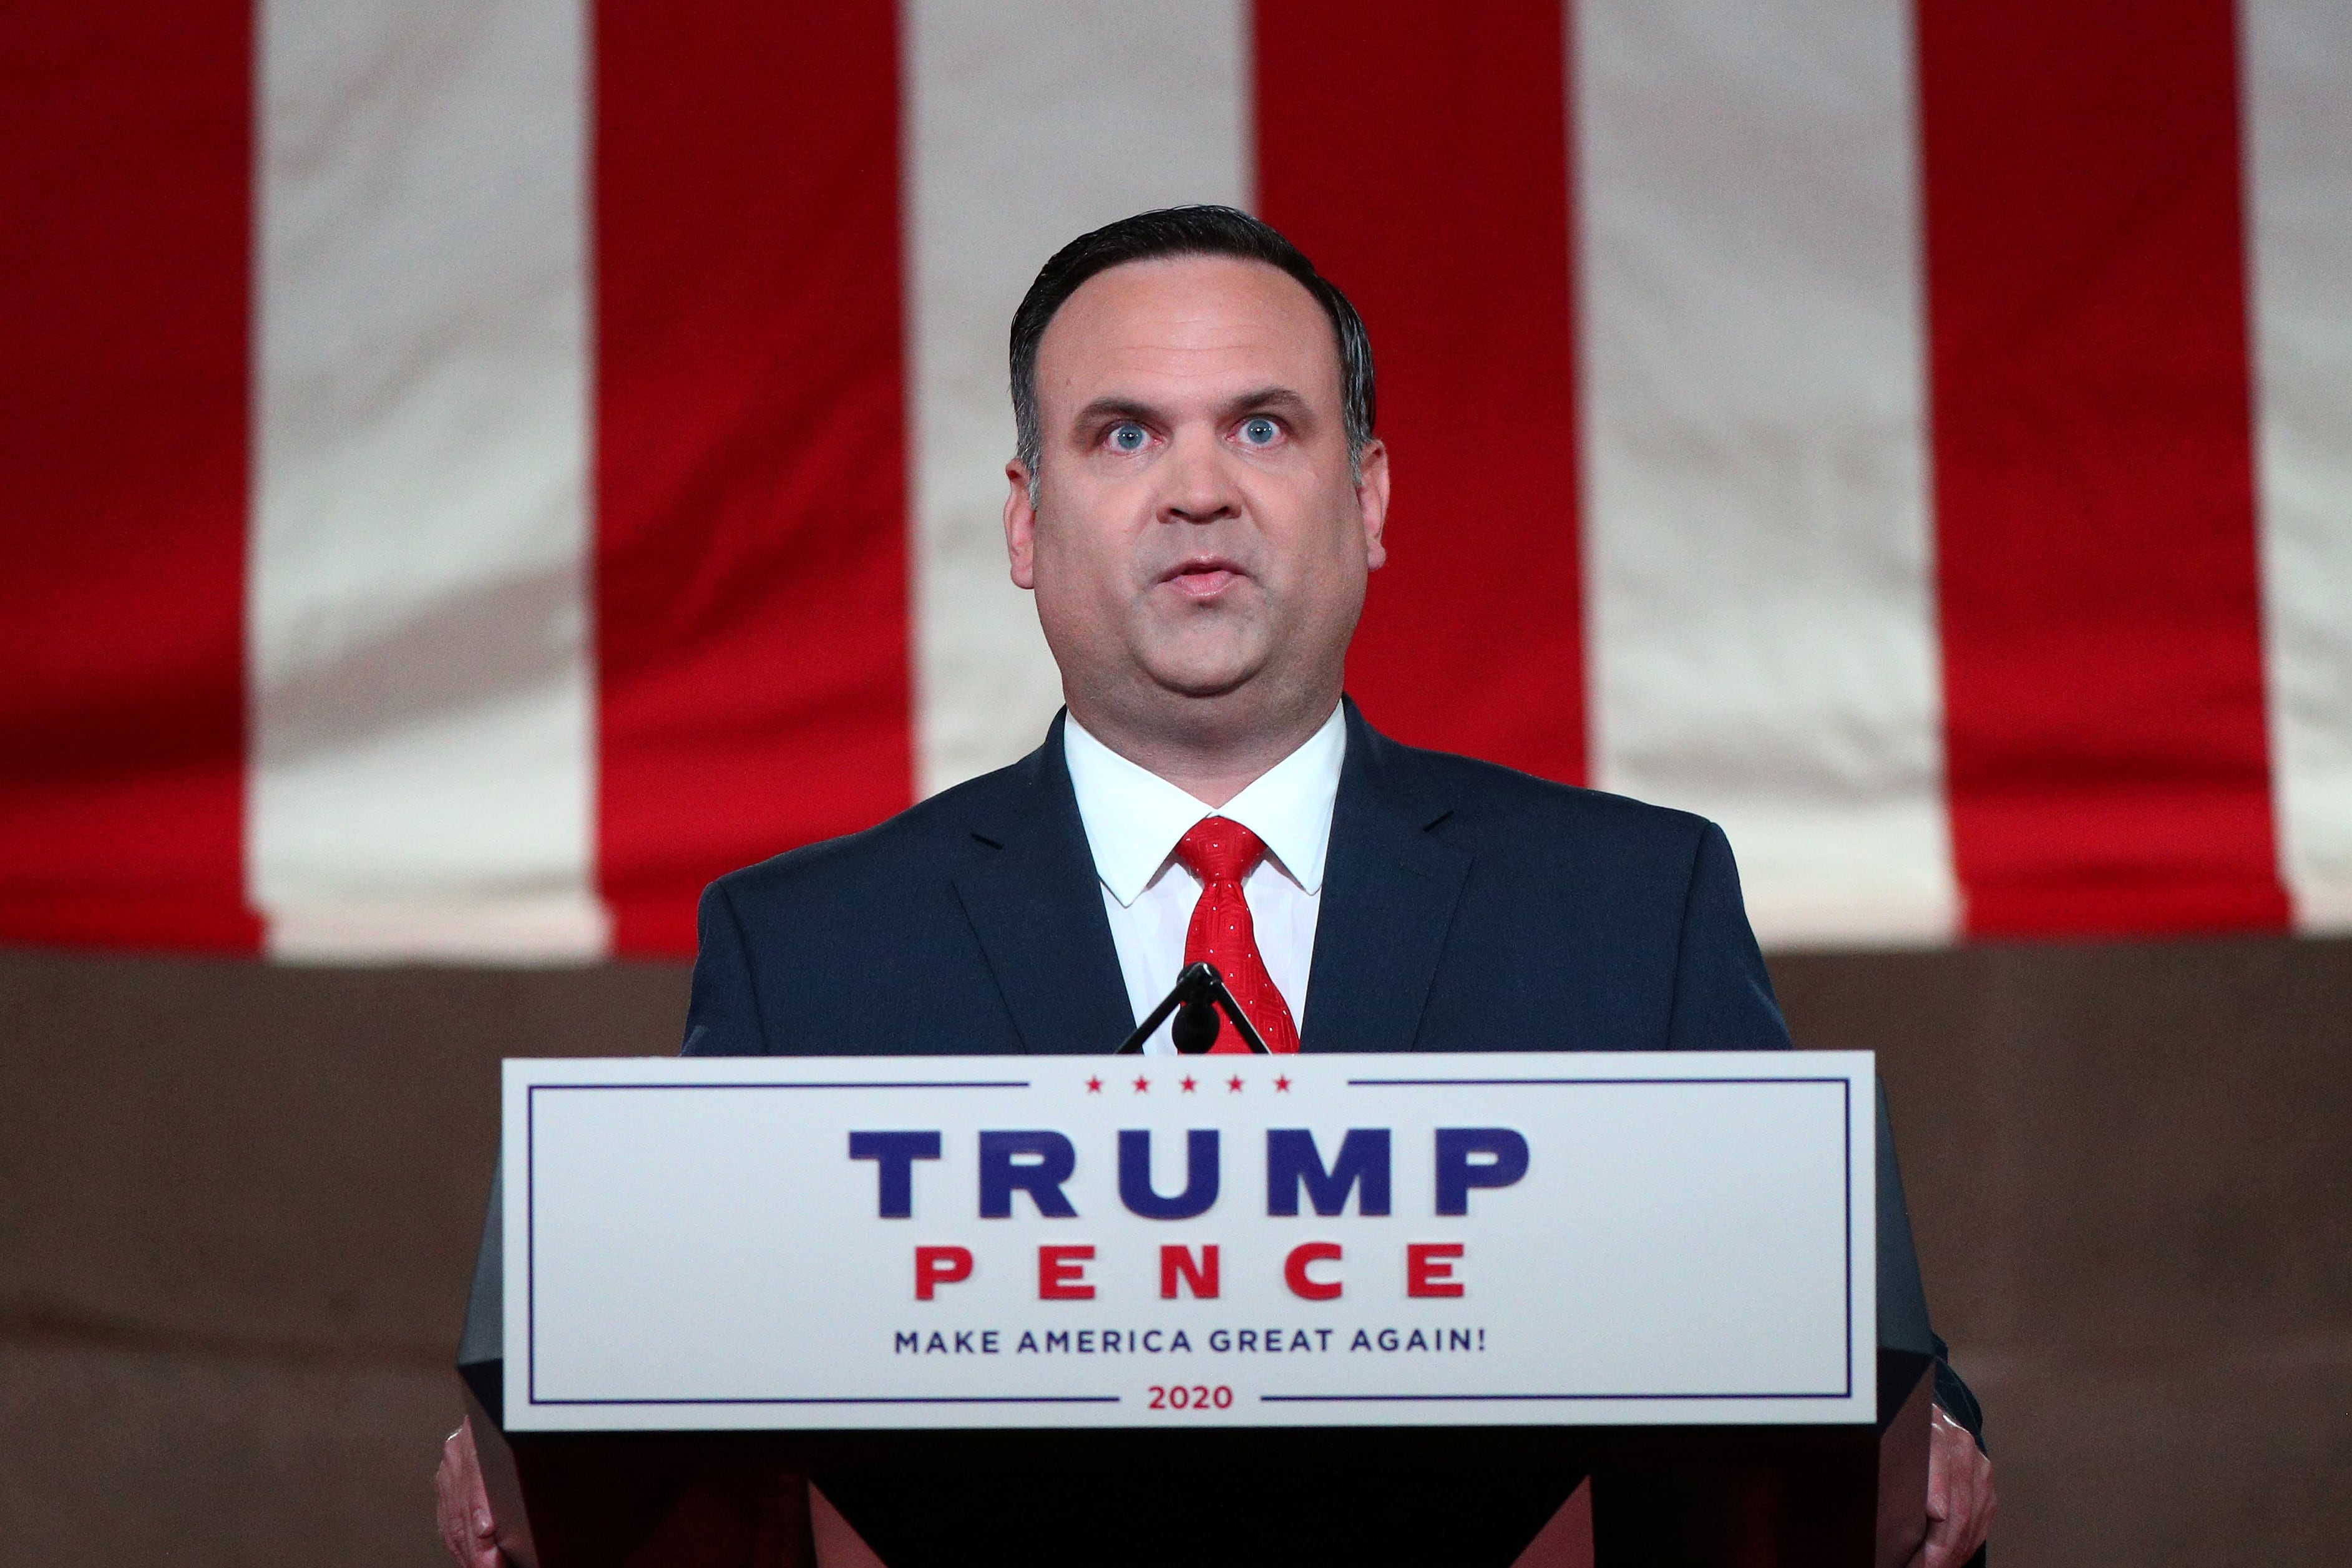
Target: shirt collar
x=1133 y=817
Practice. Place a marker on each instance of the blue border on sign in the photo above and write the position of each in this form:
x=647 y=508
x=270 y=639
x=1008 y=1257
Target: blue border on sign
x=857 y=1399
x=531 y=1092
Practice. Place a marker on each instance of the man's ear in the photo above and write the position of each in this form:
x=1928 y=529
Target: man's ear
x=1019 y=526
x=1372 y=503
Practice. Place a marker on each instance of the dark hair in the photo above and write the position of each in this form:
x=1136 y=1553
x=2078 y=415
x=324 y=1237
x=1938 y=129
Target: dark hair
x=1182 y=231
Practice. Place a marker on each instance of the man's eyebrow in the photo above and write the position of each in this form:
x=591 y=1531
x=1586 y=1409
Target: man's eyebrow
x=1273 y=398
x=1104 y=408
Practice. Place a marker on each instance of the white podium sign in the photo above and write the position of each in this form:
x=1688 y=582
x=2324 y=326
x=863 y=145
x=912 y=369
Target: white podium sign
x=1521 y=1238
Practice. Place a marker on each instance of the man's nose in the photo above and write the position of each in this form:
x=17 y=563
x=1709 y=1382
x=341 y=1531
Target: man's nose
x=1199 y=482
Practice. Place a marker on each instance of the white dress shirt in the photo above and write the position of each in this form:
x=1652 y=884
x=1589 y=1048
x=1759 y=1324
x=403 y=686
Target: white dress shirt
x=1133 y=819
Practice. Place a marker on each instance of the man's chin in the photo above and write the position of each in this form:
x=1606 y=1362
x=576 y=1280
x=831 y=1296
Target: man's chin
x=1195 y=686
x=1206 y=680
x=1202 y=657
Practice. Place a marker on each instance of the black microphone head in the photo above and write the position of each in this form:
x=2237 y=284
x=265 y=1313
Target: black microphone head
x=1195 y=1029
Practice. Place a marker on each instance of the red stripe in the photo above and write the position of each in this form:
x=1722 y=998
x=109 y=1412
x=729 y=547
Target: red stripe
x=751 y=571
x=126 y=134
x=2094 y=472
x=1423 y=162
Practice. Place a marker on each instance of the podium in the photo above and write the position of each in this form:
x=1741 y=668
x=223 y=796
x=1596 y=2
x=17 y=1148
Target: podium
x=1686 y=1279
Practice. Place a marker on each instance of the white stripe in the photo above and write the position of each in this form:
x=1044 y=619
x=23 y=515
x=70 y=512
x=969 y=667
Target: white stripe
x=423 y=777
x=1763 y=643
x=2299 y=71
x=1029 y=121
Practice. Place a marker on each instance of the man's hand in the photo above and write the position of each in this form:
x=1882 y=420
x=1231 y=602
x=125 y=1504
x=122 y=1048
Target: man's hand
x=1960 y=1504
x=467 y=1528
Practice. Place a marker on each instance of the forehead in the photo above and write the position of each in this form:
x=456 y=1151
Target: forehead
x=1200 y=323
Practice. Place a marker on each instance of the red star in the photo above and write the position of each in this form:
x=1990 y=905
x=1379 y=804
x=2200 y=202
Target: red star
x=1282 y=1085
x=1188 y=1086
x=1093 y=1085
x=1234 y=1084
x=1143 y=1085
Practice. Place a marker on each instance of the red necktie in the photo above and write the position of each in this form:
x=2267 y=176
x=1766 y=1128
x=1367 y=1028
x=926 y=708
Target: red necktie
x=1220 y=853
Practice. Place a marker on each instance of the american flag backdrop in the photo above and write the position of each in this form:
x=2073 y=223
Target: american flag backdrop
x=473 y=470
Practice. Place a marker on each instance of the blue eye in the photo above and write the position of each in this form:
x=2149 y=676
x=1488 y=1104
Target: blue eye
x=1127 y=438
x=1260 y=432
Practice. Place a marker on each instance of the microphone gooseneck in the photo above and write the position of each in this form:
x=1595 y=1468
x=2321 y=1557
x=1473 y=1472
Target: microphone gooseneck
x=1201 y=991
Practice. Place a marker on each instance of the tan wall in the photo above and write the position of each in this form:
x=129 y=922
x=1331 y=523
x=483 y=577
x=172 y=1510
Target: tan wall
x=238 y=1206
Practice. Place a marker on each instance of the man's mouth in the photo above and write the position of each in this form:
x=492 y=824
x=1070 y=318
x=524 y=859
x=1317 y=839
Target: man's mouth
x=1204 y=576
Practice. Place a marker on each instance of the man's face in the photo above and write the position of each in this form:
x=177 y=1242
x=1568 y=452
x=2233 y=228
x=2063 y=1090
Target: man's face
x=1198 y=533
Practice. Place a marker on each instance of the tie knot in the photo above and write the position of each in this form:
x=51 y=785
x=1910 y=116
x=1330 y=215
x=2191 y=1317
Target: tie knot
x=1216 y=850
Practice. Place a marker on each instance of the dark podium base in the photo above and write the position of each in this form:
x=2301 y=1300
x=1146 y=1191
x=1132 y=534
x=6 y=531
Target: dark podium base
x=1803 y=1497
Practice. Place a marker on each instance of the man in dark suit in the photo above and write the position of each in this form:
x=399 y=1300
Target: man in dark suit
x=970 y=923
x=1197 y=502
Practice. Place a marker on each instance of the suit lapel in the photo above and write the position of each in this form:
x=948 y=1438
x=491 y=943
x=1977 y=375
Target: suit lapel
x=1034 y=903
x=1390 y=887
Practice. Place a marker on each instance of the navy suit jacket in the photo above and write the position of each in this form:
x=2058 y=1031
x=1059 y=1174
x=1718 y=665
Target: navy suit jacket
x=1466 y=907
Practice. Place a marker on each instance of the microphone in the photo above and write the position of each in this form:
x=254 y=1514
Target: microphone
x=1195 y=1029
x=1199 y=992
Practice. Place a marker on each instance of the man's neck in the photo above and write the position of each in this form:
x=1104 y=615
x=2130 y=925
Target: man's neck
x=1212 y=762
